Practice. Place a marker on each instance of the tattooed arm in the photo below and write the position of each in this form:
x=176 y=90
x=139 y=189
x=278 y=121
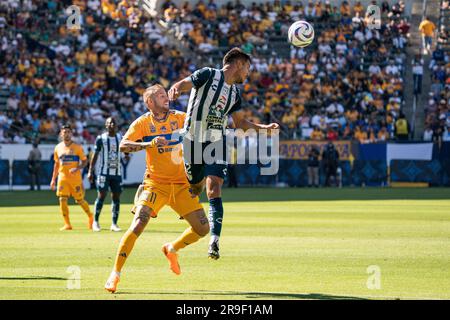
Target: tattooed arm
x=129 y=146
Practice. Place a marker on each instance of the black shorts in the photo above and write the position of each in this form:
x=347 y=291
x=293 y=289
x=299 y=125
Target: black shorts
x=105 y=182
x=204 y=159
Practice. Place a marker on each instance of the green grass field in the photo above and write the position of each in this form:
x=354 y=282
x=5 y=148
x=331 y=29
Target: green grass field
x=276 y=244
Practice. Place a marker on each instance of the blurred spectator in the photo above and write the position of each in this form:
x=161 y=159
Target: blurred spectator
x=330 y=160
x=34 y=166
x=446 y=135
x=402 y=128
x=417 y=64
x=427 y=29
x=313 y=167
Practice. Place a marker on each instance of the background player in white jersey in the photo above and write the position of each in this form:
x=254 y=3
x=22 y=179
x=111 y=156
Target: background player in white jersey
x=110 y=172
x=214 y=96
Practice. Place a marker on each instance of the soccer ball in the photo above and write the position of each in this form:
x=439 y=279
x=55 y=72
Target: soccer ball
x=301 y=34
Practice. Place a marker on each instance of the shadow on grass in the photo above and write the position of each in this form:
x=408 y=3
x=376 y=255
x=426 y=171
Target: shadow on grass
x=253 y=295
x=34 y=278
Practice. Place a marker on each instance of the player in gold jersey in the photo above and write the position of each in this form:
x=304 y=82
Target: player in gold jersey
x=165 y=181
x=69 y=161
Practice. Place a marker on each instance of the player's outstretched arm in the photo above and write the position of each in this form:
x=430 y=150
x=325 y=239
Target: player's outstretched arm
x=242 y=123
x=128 y=146
x=180 y=87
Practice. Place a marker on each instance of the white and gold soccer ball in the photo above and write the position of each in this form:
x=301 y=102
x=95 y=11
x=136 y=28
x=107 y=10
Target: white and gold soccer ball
x=301 y=34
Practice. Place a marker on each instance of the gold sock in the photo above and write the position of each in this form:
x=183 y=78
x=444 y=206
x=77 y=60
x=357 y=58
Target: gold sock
x=85 y=206
x=64 y=208
x=188 y=237
x=125 y=247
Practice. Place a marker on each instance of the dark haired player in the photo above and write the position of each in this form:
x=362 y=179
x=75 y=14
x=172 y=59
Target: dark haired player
x=214 y=96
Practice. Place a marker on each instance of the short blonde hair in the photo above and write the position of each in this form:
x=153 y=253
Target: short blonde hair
x=150 y=91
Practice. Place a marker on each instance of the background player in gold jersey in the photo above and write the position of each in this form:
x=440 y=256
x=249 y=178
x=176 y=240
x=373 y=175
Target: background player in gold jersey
x=69 y=161
x=165 y=182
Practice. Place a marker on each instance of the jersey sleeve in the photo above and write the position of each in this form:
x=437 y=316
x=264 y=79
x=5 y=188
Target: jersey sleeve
x=200 y=77
x=98 y=144
x=238 y=104
x=81 y=153
x=134 y=132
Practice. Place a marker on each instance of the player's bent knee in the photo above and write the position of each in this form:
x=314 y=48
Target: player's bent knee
x=143 y=214
x=63 y=199
x=102 y=196
x=199 y=222
x=201 y=230
x=213 y=192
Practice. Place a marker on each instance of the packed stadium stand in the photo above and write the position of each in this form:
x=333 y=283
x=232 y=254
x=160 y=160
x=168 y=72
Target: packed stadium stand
x=348 y=85
x=437 y=113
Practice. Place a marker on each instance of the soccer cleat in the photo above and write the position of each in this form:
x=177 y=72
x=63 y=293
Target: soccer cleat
x=213 y=252
x=111 y=283
x=96 y=226
x=91 y=221
x=115 y=228
x=173 y=259
x=66 y=227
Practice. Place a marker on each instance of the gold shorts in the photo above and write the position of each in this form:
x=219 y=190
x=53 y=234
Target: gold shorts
x=68 y=188
x=157 y=195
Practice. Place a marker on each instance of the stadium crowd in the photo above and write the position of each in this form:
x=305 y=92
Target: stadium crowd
x=437 y=112
x=349 y=85
x=56 y=75
x=342 y=88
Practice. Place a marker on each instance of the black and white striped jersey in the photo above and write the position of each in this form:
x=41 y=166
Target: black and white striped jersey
x=210 y=103
x=109 y=154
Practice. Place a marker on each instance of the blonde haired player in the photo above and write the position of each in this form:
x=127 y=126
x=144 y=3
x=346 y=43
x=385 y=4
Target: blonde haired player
x=69 y=161
x=165 y=182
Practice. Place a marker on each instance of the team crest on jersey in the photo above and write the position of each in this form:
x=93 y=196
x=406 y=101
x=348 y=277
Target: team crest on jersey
x=163 y=129
x=152 y=128
x=173 y=125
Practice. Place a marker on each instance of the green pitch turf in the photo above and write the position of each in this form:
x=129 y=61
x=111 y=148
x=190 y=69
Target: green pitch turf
x=276 y=244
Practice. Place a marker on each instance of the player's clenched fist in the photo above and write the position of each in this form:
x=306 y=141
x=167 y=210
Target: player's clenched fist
x=157 y=142
x=173 y=93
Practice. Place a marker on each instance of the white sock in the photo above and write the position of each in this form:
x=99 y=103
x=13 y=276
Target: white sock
x=214 y=238
x=171 y=248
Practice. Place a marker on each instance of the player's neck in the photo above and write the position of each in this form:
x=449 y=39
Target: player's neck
x=111 y=134
x=160 y=116
x=67 y=143
x=228 y=73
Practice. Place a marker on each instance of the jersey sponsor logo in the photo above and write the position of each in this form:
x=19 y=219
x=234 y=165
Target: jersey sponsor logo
x=69 y=158
x=163 y=129
x=152 y=128
x=163 y=150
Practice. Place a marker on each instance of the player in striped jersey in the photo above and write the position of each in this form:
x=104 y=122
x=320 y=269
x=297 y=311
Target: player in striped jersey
x=214 y=96
x=110 y=172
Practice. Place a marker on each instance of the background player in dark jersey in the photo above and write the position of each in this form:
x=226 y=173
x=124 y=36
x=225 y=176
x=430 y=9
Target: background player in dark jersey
x=214 y=96
x=109 y=175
